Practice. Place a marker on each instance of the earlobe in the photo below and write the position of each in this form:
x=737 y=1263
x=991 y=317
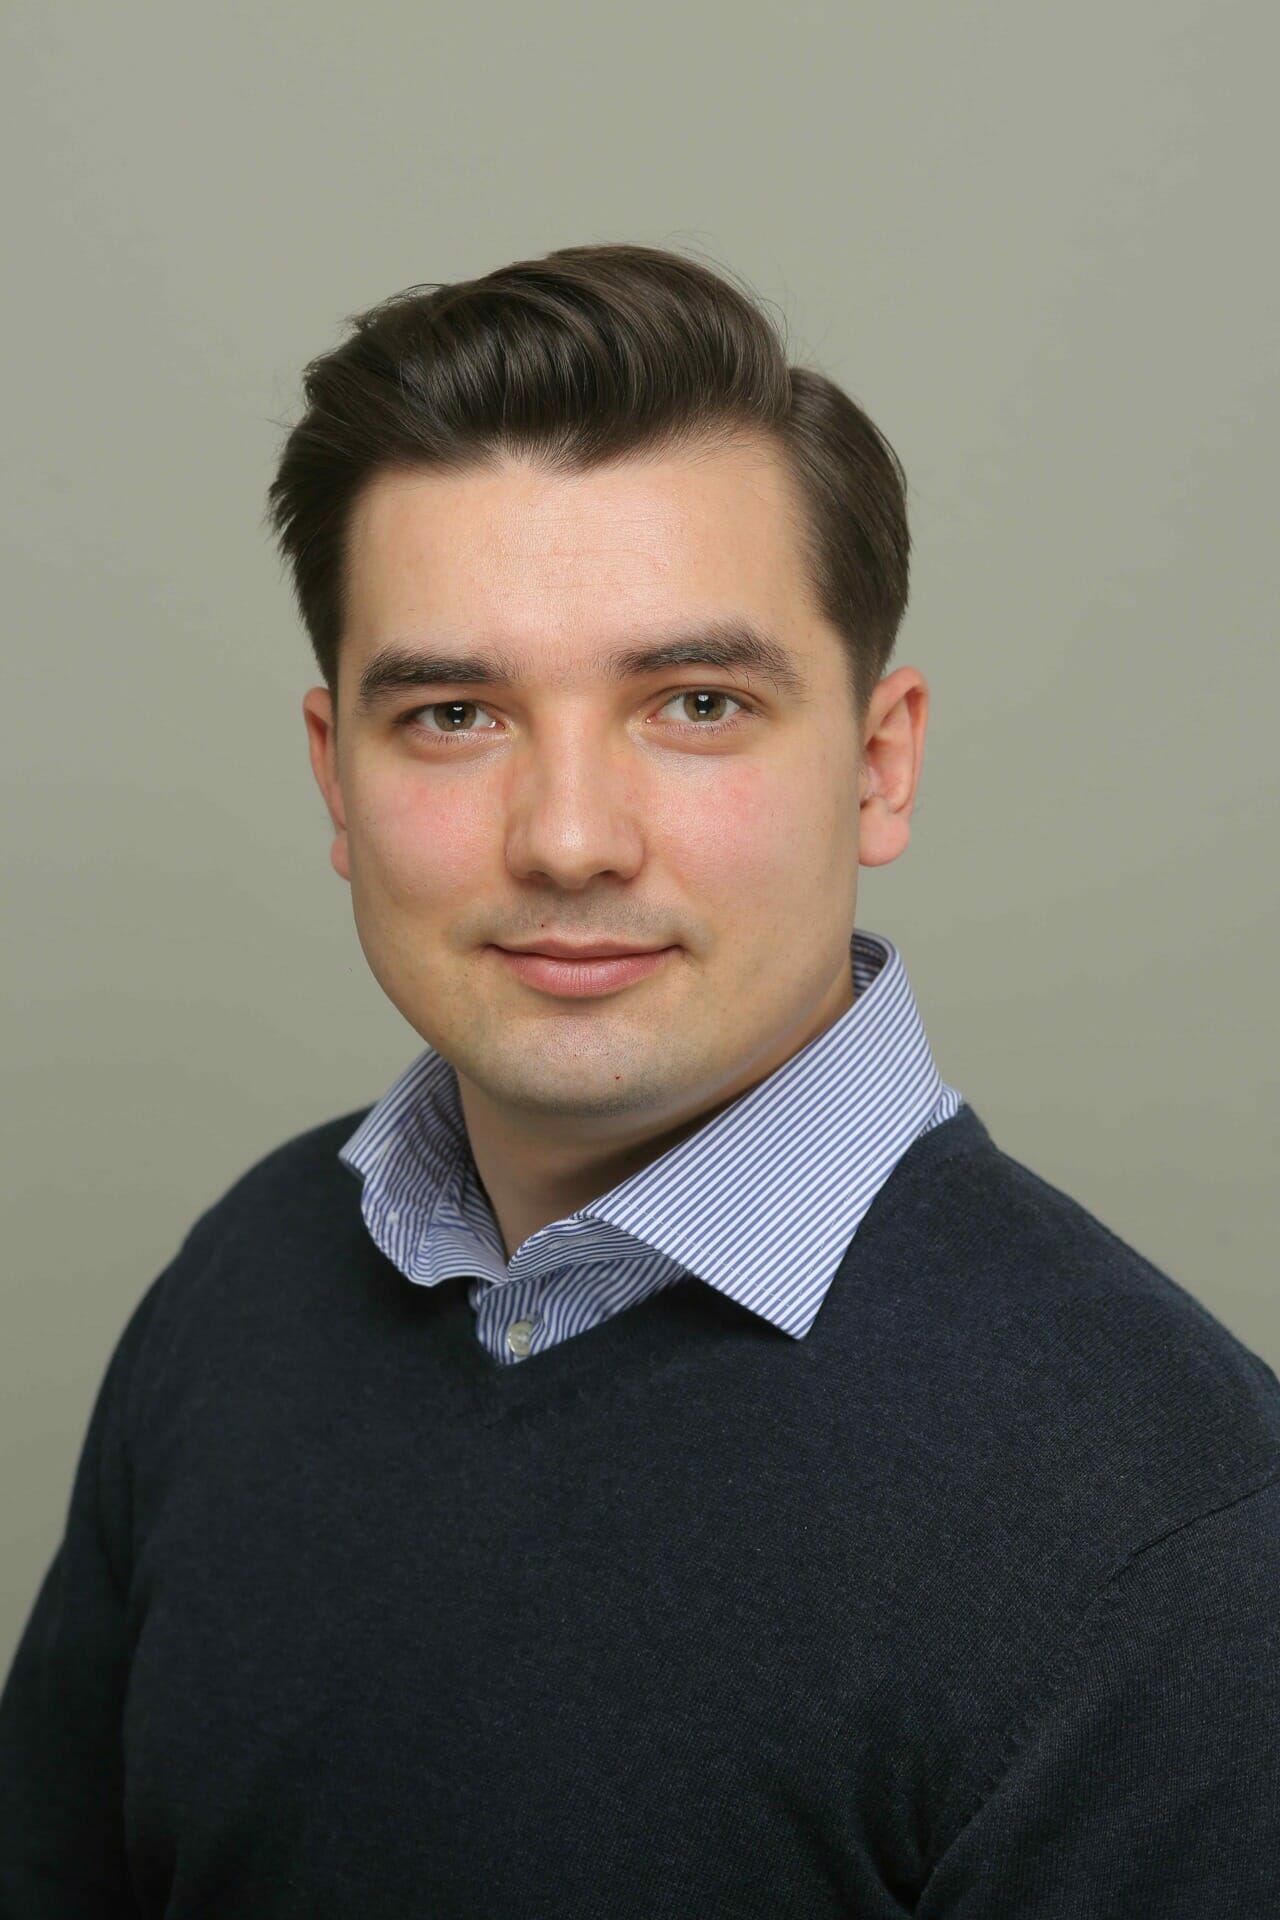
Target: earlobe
x=883 y=836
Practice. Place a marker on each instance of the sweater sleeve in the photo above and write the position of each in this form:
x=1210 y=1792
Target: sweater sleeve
x=1150 y=1781
x=61 y=1764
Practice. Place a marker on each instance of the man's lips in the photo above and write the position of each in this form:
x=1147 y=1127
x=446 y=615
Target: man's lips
x=602 y=950
x=580 y=977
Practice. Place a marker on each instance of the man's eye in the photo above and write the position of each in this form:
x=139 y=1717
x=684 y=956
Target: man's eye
x=454 y=723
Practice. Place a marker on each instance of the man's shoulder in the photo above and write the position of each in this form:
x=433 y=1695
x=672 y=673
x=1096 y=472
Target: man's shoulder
x=1085 y=1369
x=294 y=1205
x=292 y=1213
x=302 y=1158
x=1046 y=1259
x=1055 y=1263
x=302 y=1173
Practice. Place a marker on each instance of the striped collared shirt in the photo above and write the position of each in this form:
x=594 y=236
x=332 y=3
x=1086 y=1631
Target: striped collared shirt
x=761 y=1202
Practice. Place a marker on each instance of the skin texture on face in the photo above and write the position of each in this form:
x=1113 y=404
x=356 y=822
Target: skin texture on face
x=579 y=807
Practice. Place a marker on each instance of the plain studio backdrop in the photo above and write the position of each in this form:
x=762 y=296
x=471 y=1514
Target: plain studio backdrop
x=1035 y=241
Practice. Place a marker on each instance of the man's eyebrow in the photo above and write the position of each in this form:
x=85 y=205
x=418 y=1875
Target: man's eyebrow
x=720 y=644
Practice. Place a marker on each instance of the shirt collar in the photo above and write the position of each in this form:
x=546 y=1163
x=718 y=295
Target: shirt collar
x=761 y=1202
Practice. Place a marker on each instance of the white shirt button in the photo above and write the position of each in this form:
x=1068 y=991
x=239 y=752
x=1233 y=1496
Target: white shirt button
x=519 y=1334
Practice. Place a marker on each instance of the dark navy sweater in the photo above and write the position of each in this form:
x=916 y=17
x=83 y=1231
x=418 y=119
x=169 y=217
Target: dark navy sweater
x=966 y=1604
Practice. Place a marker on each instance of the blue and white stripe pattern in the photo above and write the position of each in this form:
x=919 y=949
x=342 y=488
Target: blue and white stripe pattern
x=761 y=1202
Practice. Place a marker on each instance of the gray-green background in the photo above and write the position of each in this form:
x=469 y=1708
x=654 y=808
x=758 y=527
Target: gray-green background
x=1036 y=241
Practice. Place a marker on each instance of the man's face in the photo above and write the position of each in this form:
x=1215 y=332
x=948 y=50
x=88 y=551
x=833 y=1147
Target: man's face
x=566 y=804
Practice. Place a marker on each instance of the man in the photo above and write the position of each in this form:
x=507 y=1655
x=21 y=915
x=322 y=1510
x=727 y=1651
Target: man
x=664 y=1457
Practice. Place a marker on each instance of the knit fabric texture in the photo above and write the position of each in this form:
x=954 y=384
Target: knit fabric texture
x=966 y=1603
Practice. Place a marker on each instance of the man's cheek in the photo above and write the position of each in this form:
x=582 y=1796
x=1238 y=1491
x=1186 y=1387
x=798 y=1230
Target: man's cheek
x=743 y=827
x=420 y=847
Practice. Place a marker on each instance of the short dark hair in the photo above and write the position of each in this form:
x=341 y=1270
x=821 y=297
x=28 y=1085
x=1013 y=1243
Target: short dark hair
x=585 y=356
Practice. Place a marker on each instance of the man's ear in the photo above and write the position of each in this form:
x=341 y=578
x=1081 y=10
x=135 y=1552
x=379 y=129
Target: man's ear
x=322 y=743
x=893 y=759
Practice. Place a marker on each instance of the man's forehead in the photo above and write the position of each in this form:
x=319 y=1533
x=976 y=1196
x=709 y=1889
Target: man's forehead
x=737 y=497
x=644 y=559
